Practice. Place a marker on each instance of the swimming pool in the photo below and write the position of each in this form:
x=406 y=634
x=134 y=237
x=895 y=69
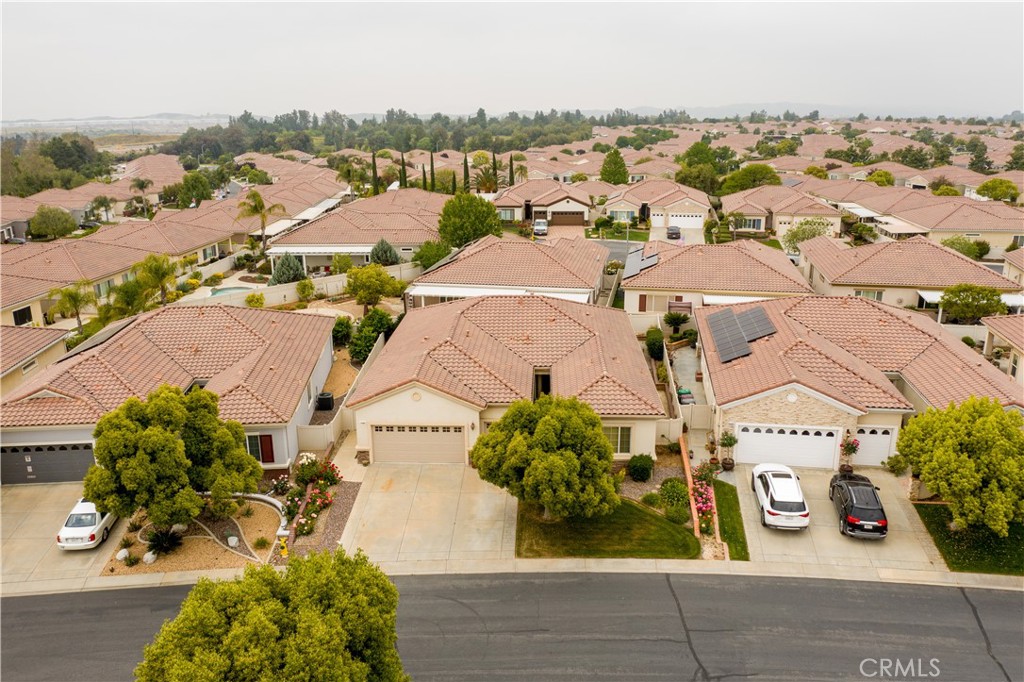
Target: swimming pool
x=229 y=290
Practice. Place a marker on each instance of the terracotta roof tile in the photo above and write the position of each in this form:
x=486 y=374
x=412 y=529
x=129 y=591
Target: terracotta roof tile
x=18 y=345
x=1007 y=327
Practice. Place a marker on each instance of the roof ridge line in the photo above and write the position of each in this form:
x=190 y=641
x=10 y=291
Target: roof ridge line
x=851 y=370
x=477 y=362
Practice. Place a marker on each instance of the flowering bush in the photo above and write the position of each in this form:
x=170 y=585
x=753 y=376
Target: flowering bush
x=305 y=525
x=292 y=502
x=319 y=498
x=702 y=498
x=279 y=486
x=705 y=472
x=849 y=446
x=315 y=470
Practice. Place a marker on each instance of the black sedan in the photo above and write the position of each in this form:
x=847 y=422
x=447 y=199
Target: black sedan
x=860 y=511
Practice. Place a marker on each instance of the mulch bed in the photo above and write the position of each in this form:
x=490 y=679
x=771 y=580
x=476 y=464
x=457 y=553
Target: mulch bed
x=331 y=523
x=666 y=466
x=221 y=528
x=321 y=417
x=253 y=279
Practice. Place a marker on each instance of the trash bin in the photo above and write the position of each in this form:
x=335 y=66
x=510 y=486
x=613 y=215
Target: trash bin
x=325 y=401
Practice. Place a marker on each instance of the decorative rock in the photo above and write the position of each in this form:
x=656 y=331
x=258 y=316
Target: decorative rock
x=149 y=558
x=232 y=541
x=179 y=527
x=121 y=555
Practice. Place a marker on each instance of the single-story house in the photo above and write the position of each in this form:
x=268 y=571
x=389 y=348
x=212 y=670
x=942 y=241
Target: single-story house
x=452 y=369
x=663 y=277
x=962 y=179
x=1013 y=265
x=900 y=173
x=15 y=213
x=791 y=377
x=554 y=201
x=267 y=366
x=596 y=189
x=664 y=203
x=773 y=209
x=570 y=269
x=25 y=352
x=1007 y=330
x=992 y=221
x=654 y=168
x=912 y=272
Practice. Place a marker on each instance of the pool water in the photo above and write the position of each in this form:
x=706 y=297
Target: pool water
x=228 y=290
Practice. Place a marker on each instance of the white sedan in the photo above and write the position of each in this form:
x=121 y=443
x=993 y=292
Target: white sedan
x=85 y=527
x=779 y=497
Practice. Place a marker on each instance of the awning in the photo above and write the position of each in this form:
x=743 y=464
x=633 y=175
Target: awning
x=282 y=249
x=1011 y=300
x=726 y=300
x=860 y=211
x=277 y=227
x=318 y=210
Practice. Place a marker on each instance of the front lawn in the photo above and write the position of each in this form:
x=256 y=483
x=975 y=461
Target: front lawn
x=629 y=532
x=974 y=550
x=730 y=521
x=774 y=243
x=634 y=235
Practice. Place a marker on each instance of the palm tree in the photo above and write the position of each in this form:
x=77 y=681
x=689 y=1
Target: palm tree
x=102 y=203
x=130 y=298
x=156 y=271
x=253 y=205
x=489 y=178
x=522 y=173
x=73 y=299
x=140 y=185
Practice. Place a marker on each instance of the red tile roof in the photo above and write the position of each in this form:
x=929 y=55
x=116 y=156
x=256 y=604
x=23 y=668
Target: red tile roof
x=540 y=193
x=18 y=345
x=1008 y=327
x=658 y=193
x=484 y=351
x=776 y=199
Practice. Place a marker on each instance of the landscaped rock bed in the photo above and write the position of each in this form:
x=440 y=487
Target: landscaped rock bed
x=331 y=522
x=667 y=465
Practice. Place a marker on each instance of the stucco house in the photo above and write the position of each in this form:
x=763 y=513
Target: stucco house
x=1013 y=265
x=664 y=277
x=267 y=366
x=25 y=352
x=962 y=179
x=663 y=202
x=1008 y=331
x=912 y=272
x=570 y=269
x=791 y=377
x=774 y=209
x=452 y=369
x=551 y=200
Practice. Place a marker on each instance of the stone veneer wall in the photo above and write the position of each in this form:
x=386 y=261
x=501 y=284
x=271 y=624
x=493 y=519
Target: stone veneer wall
x=776 y=409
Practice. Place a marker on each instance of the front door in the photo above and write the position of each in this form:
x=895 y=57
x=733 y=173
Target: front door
x=267 y=449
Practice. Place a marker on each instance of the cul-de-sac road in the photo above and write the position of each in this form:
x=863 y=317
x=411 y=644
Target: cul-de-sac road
x=591 y=627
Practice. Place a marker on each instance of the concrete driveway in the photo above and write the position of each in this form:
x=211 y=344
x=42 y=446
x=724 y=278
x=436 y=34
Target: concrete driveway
x=30 y=516
x=430 y=513
x=907 y=547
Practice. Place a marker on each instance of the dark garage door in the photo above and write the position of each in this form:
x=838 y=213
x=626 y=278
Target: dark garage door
x=567 y=218
x=45 y=463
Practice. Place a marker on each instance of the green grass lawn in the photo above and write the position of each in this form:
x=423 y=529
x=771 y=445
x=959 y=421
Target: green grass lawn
x=631 y=531
x=975 y=550
x=774 y=243
x=730 y=522
x=634 y=235
x=620 y=300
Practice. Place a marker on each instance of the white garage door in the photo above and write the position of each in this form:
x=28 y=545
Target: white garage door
x=686 y=220
x=394 y=443
x=798 y=446
x=657 y=219
x=875 y=445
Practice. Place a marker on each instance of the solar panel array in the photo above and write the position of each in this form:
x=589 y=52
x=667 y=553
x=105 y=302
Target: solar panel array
x=637 y=263
x=732 y=333
x=755 y=324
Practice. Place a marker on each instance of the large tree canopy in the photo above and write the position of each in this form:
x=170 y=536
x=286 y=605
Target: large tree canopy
x=972 y=455
x=370 y=283
x=552 y=453
x=753 y=175
x=466 y=218
x=613 y=169
x=968 y=303
x=328 y=617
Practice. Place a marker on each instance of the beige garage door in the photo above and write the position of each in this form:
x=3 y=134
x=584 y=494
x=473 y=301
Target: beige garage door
x=395 y=443
x=567 y=218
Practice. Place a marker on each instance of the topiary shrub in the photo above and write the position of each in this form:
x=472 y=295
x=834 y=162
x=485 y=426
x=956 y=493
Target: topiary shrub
x=674 y=492
x=640 y=467
x=971 y=343
x=678 y=513
x=213 y=280
x=655 y=343
x=651 y=500
x=255 y=300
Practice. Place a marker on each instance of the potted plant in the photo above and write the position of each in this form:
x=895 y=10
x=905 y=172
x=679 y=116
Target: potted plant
x=847 y=450
x=728 y=440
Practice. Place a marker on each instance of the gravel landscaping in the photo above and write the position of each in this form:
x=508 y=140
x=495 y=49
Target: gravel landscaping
x=331 y=522
x=666 y=466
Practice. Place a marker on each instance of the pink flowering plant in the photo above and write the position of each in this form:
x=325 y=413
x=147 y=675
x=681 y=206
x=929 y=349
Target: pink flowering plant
x=850 y=446
x=703 y=479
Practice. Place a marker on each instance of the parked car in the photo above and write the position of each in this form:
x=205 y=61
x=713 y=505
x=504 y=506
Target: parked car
x=540 y=228
x=673 y=232
x=85 y=527
x=860 y=511
x=779 y=497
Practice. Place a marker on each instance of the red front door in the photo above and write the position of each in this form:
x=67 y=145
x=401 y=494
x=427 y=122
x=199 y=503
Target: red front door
x=267 y=449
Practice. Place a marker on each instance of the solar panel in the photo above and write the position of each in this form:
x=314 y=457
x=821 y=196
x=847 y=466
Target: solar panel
x=636 y=263
x=755 y=324
x=728 y=336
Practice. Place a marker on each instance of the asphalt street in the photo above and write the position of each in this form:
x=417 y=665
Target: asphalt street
x=592 y=626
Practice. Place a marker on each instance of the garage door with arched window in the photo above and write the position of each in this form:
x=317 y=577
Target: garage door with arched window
x=876 y=443
x=798 y=446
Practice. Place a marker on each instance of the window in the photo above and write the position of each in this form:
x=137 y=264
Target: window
x=870 y=294
x=622 y=216
x=407 y=249
x=127 y=277
x=619 y=436
x=103 y=288
x=751 y=223
x=541 y=383
x=1014 y=364
x=507 y=214
x=28 y=366
x=23 y=316
x=1018 y=240
x=209 y=253
x=260 y=446
x=309 y=392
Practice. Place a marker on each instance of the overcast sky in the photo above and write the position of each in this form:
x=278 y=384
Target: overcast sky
x=133 y=59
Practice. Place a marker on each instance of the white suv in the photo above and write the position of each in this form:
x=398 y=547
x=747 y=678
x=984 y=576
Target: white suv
x=779 y=497
x=540 y=228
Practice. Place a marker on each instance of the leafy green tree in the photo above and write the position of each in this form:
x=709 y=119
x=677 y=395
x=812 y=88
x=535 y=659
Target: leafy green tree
x=327 y=617
x=370 y=283
x=552 y=453
x=946 y=191
x=129 y=298
x=613 y=170
x=195 y=188
x=340 y=263
x=429 y=253
x=972 y=455
x=188 y=162
x=940 y=181
x=752 y=175
x=287 y=269
x=915 y=157
x=341 y=333
x=808 y=228
x=979 y=163
x=964 y=245
x=50 y=221
x=968 y=303
x=140 y=185
x=373 y=324
x=254 y=206
x=73 y=300
x=466 y=218
x=1016 y=160
x=305 y=289
x=384 y=254
x=702 y=176
x=999 y=189
x=157 y=272
x=817 y=172
x=882 y=178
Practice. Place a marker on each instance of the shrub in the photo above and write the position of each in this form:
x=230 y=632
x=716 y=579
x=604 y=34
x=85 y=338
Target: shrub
x=678 y=513
x=640 y=467
x=662 y=373
x=126 y=542
x=163 y=541
x=674 y=447
x=673 y=492
x=292 y=501
x=690 y=335
x=301 y=305
x=603 y=222
x=183 y=287
x=260 y=543
x=213 y=280
x=280 y=485
x=134 y=526
x=255 y=300
x=651 y=500
x=243 y=261
x=342 y=332
x=131 y=560
x=971 y=343
x=264 y=268
x=655 y=341
x=247 y=511
x=674 y=338
x=174 y=295
x=305 y=289
x=315 y=470
x=983 y=247
x=193 y=283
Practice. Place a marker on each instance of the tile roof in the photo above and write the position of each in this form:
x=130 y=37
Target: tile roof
x=597 y=188
x=737 y=267
x=562 y=263
x=844 y=347
x=484 y=351
x=776 y=199
x=540 y=193
x=1008 y=327
x=1015 y=258
x=14 y=208
x=259 y=361
x=658 y=193
x=18 y=345
x=164 y=236
x=966 y=216
x=914 y=262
